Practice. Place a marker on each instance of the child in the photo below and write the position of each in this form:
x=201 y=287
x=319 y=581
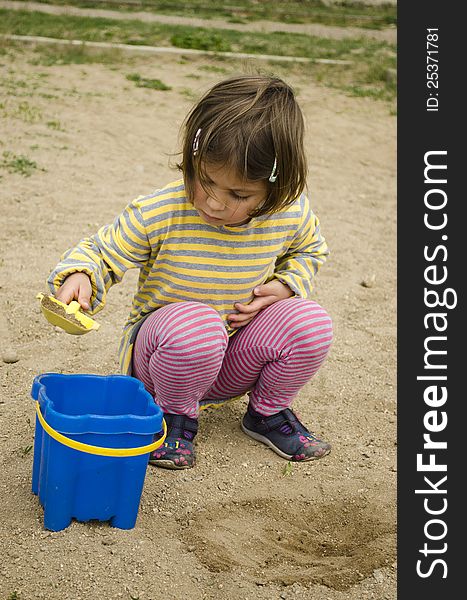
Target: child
x=227 y=257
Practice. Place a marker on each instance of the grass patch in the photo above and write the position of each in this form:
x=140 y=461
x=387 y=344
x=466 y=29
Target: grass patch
x=55 y=125
x=344 y=13
x=22 y=111
x=18 y=164
x=358 y=81
x=155 y=34
x=213 y=69
x=371 y=60
x=14 y=86
x=48 y=56
x=143 y=82
x=201 y=40
x=189 y=94
x=26 y=450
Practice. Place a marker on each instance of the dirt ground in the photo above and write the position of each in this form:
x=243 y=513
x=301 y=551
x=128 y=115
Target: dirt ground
x=239 y=526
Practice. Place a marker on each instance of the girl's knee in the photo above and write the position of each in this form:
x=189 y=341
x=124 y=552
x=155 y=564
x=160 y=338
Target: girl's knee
x=311 y=310
x=308 y=323
x=203 y=317
x=317 y=319
x=188 y=323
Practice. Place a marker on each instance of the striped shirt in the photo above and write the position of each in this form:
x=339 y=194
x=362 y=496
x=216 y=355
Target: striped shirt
x=182 y=258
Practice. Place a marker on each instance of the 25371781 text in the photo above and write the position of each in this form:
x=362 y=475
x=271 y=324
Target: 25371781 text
x=432 y=69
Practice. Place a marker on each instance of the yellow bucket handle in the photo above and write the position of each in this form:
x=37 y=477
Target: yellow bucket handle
x=98 y=449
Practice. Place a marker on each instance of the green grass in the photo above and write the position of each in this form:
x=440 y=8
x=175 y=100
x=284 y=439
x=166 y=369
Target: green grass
x=153 y=84
x=56 y=125
x=26 y=450
x=22 y=111
x=153 y=34
x=201 y=39
x=363 y=79
x=365 y=76
x=48 y=56
x=344 y=13
x=18 y=164
x=213 y=69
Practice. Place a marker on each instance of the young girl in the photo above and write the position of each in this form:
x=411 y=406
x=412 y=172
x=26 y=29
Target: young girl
x=227 y=257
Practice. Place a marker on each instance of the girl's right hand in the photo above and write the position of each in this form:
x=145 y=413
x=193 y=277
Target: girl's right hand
x=76 y=286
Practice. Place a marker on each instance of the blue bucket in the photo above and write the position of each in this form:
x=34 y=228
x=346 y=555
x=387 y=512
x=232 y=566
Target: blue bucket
x=93 y=438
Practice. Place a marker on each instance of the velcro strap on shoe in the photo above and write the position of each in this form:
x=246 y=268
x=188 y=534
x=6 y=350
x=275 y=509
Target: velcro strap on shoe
x=286 y=418
x=181 y=426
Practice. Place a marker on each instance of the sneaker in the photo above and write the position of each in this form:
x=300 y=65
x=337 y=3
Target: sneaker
x=285 y=434
x=177 y=451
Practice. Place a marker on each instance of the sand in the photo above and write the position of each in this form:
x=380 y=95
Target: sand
x=240 y=525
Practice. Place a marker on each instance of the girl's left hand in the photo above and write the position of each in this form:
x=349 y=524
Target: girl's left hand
x=265 y=295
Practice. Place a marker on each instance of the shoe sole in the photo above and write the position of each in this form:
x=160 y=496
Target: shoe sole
x=168 y=464
x=261 y=438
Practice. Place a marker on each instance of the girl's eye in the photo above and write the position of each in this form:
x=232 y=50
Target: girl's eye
x=237 y=197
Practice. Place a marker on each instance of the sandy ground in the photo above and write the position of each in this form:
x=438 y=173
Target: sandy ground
x=238 y=526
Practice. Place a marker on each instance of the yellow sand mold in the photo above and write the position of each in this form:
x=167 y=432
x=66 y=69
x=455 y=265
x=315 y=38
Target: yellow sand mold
x=67 y=316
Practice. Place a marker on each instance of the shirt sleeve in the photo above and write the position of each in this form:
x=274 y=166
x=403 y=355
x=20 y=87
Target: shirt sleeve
x=106 y=256
x=305 y=255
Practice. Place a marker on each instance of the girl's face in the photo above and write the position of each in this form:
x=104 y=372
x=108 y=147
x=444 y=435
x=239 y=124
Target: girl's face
x=228 y=200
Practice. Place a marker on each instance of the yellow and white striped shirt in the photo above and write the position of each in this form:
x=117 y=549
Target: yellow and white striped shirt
x=182 y=258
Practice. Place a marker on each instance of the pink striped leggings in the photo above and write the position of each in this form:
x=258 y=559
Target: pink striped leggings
x=185 y=359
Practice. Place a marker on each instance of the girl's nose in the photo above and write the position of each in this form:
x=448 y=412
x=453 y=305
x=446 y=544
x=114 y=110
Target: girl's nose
x=214 y=204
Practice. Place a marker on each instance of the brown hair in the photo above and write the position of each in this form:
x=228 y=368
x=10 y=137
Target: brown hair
x=247 y=123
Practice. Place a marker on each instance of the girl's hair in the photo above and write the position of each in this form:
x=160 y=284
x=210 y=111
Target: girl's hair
x=246 y=123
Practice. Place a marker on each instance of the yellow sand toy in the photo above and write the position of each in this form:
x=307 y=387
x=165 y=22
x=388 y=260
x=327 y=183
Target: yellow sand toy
x=67 y=316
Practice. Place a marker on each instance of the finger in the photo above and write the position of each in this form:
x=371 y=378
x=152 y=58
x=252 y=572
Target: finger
x=257 y=304
x=84 y=305
x=254 y=306
x=247 y=320
x=84 y=298
x=240 y=318
x=264 y=290
x=244 y=308
x=274 y=288
x=65 y=295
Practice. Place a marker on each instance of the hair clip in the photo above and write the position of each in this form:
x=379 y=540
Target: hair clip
x=196 y=142
x=273 y=176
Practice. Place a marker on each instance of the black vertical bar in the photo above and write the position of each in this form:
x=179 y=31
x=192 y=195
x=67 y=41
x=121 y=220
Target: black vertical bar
x=432 y=254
